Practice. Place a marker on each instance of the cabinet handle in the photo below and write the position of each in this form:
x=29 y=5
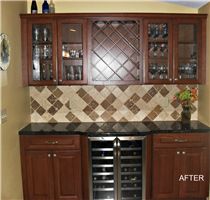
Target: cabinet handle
x=49 y=155
x=54 y=80
x=176 y=79
x=178 y=152
x=52 y=142
x=183 y=152
x=170 y=79
x=180 y=140
x=54 y=155
x=60 y=80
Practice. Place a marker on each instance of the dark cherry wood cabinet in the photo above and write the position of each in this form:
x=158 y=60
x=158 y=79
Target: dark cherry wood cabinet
x=113 y=48
x=54 y=51
x=174 y=50
x=39 y=51
x=176 y=155
x=158 y=66
x=38 y=172
x=189 y=46
x=51 y=167
x=72 y=51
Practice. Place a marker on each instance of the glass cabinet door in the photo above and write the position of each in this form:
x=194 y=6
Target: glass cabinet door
x=103 y=181
x=42 y=70
x=158 y=58
x=187 y=43
x=131 y=170
x=71 y=51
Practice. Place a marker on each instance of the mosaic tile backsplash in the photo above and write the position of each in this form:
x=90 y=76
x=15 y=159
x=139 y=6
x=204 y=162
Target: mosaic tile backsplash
x=106 y=103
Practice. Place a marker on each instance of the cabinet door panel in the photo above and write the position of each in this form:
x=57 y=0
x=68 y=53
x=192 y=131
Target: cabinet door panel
x=187 y=56
x=165 y=174
x=158 y=51
x=67 y=171
x=39 y=175
x=194 y=162
x=72 y=51
x=42 y=52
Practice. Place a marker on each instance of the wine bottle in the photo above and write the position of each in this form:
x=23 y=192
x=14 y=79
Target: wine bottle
x=33 y=7
x=51 y=7
x=45 y=7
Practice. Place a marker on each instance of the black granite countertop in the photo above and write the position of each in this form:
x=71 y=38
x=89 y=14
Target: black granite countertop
x=113 y=128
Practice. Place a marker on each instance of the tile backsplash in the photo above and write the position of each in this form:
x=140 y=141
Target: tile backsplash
x=106 y=103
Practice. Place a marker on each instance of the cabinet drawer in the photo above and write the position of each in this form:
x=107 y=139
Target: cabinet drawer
x=180 y=140
x=50 y=142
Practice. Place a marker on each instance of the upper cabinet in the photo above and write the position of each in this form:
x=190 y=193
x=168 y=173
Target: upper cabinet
x=115 y=49
x=54 y=51
x=72 y=51
x=41 y=49
x=158 y=51
x=174 y=51
x=189 y=51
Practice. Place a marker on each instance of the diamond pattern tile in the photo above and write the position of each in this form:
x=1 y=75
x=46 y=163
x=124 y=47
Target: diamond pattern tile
x=106 y=103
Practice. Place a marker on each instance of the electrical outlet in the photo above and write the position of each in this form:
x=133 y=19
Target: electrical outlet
x=3 y=115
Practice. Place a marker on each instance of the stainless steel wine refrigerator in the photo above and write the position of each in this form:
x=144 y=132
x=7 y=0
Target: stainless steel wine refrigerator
x=117 y=169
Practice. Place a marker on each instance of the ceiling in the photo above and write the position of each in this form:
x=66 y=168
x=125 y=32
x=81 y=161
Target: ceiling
x=192 y=4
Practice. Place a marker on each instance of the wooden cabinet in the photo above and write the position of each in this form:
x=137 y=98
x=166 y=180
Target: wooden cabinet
x=54 y=51
x=158 y=50
x=174 y=50
x=176 y=157
x=51 y=167
x=115 y=46
x=72 y=57
x=115 y=49
x=39 y=51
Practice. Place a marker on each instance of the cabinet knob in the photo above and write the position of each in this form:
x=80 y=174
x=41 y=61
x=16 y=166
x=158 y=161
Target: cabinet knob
x=176 y=79
x=183 y=152
x=54 y=155
x=49 y=155
x=178 y=152
x=170 y=79
x=60 y=80
x=54 y=80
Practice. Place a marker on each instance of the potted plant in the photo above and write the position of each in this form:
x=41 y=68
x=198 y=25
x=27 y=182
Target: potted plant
x=186 y=98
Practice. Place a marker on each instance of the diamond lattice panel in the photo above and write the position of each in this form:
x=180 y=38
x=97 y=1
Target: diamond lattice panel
x=115 y=51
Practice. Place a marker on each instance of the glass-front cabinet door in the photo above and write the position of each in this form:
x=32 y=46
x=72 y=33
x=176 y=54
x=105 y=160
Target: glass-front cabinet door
x=187 y=39
x=157 y=51
x=72 y=51
x=42 y=52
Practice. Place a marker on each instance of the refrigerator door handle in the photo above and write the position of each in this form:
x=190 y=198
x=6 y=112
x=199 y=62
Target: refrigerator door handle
x=119 y=168
x=115 y=143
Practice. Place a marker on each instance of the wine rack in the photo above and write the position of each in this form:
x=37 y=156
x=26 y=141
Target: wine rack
x=131 y=170
x=117 y=168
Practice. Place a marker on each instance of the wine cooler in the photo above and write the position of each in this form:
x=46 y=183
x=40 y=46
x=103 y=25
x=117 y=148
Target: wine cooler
x=117 y=168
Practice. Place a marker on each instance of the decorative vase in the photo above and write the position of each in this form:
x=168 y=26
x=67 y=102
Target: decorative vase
x=186 y=114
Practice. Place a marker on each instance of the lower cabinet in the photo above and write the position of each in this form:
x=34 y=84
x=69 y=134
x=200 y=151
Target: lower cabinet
x=52 y=171
x=180 y=166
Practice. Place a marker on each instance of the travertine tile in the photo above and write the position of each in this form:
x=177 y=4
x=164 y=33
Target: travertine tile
x=106 y=103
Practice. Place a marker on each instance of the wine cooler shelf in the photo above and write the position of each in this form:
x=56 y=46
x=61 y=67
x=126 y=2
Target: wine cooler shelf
x=116 y=168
